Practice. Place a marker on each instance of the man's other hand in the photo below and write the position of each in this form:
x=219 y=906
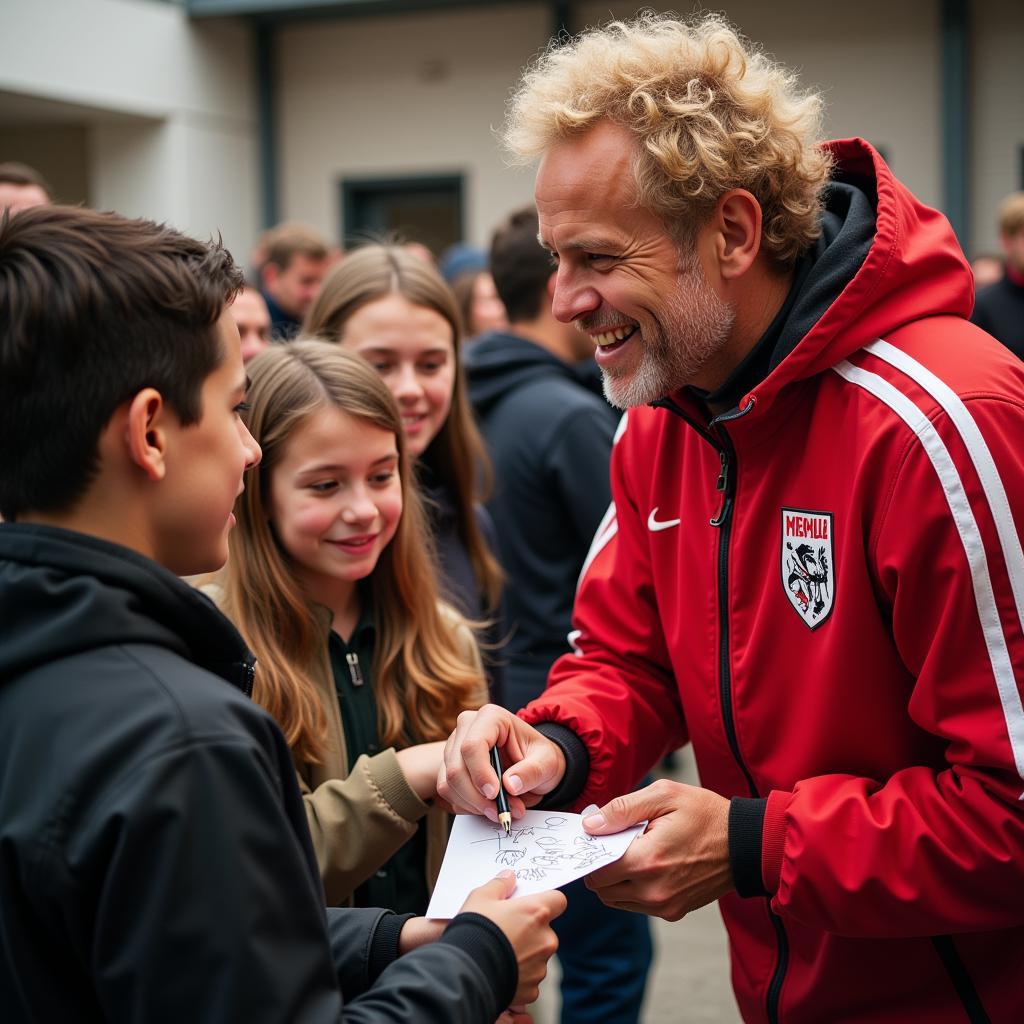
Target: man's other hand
x=680 y=863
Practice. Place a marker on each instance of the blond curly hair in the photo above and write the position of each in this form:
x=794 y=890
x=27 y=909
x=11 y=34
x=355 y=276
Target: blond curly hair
x=709 y=112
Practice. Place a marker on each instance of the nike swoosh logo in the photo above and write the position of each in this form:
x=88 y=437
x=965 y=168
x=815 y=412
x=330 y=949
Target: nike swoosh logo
x=654 y=526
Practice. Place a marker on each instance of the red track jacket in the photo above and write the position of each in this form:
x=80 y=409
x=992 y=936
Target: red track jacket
x=823 y=592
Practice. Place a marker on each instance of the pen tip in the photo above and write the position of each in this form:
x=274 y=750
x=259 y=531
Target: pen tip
x=508 y=828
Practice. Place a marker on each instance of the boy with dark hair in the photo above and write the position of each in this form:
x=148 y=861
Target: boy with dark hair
x=155 y=862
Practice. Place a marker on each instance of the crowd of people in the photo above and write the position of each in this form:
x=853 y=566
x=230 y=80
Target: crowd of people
x=286 y=554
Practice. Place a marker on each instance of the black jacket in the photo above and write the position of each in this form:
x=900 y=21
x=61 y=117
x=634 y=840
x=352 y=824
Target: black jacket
x=550 y=440
x=459 y=585
x=999 y=309
x=155 y=863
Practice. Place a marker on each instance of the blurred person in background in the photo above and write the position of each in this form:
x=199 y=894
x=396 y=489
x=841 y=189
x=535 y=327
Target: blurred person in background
x=999 y=308
x=987 y=269
x=294 y=260
x=389 y=306
x=22 y=187
x=251 y=316
x=464 y=268
x=421 y=251
x=550 y=441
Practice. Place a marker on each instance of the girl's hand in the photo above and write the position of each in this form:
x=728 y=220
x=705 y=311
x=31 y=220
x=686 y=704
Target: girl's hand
x=420 y=765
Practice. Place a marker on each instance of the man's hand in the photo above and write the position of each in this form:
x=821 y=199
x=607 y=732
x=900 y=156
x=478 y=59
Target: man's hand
x=533 y=765
x=526 y=922
x=680 y=863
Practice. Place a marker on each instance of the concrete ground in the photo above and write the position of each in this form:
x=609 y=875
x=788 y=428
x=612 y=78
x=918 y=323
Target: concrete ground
x=689 y=981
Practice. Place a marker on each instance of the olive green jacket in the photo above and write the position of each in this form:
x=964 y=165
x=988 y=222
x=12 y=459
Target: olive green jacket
x=358 y=820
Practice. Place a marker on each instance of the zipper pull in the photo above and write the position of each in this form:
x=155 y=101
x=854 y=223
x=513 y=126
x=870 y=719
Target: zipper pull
x=723 y=476
x=722 y=486
x=353 y=669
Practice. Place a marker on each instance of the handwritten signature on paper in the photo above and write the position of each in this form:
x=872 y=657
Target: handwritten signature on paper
x=534 y=850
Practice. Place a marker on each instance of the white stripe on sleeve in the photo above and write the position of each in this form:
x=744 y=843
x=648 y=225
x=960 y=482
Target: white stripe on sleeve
x=980 y=454
x=606 y=529
x=970 y=537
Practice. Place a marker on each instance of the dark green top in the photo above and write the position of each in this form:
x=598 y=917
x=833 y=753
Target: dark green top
x=400 y=884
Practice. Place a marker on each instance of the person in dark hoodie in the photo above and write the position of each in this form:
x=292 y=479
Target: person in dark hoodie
x=550 y=438
x=155 y=863
x=787 y=326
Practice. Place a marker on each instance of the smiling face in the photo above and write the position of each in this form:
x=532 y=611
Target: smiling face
x=205 y=464
x=413 y=349
x=335 y=501
x=655 y=319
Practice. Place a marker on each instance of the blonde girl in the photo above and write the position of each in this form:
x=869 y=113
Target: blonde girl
x=331 y=583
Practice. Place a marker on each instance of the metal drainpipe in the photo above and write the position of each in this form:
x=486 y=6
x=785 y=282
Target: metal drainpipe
x=561 y=19
x=956 y=141
x=265 y=35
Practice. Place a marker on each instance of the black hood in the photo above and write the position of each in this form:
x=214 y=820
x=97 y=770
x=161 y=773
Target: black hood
x=820 y=275
x=500 y=362
x=62 y=593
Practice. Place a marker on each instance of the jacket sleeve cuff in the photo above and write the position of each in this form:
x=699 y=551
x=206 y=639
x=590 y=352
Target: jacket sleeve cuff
x=746 y=826
x=386 y=774
x=384 y=944
x=486 y=943
x=577 y=765
x=774 y=838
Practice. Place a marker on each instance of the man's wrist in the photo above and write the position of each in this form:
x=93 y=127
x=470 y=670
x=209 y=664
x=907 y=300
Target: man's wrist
x=746 y=829
x=576 y=760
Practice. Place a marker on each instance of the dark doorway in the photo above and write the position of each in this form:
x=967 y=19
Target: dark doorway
x=422 y=209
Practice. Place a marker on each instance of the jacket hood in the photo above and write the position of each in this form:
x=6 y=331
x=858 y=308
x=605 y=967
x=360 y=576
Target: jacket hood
x=499 y=362
x=913 y=267
x=63 y=593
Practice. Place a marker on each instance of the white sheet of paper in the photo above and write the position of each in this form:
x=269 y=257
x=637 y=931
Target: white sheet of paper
x=546 y=850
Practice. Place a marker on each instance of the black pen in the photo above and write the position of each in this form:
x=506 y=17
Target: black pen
x=504 y=814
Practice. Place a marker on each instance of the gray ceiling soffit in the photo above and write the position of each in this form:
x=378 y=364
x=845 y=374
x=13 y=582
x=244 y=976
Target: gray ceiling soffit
x=287 y=10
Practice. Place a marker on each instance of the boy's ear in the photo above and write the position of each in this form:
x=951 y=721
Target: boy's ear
x=146 y=433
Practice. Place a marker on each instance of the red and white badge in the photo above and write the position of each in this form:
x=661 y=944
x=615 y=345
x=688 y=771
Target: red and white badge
x=808 y=563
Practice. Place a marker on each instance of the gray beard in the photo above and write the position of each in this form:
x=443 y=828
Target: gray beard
x=694 y=325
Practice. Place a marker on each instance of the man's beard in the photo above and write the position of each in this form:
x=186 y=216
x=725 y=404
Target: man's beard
x=692 y=327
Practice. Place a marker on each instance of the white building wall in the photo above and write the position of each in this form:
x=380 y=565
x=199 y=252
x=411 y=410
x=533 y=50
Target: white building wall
x=997 y=114
x=354 y=102
x=398 y=96
x=169 y=105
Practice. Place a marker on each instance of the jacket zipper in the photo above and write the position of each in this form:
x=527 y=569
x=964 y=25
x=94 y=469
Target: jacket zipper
x=247 y=674
x=718 y=437
x=354 y=670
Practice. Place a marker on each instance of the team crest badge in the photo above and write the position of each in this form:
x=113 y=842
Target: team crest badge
x=808 y=563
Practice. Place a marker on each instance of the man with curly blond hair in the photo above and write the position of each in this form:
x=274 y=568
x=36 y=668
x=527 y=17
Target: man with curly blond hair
x=812 y=565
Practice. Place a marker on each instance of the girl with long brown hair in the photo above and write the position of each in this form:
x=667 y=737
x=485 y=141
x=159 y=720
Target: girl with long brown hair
x=331 y=583
x=395 y=310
